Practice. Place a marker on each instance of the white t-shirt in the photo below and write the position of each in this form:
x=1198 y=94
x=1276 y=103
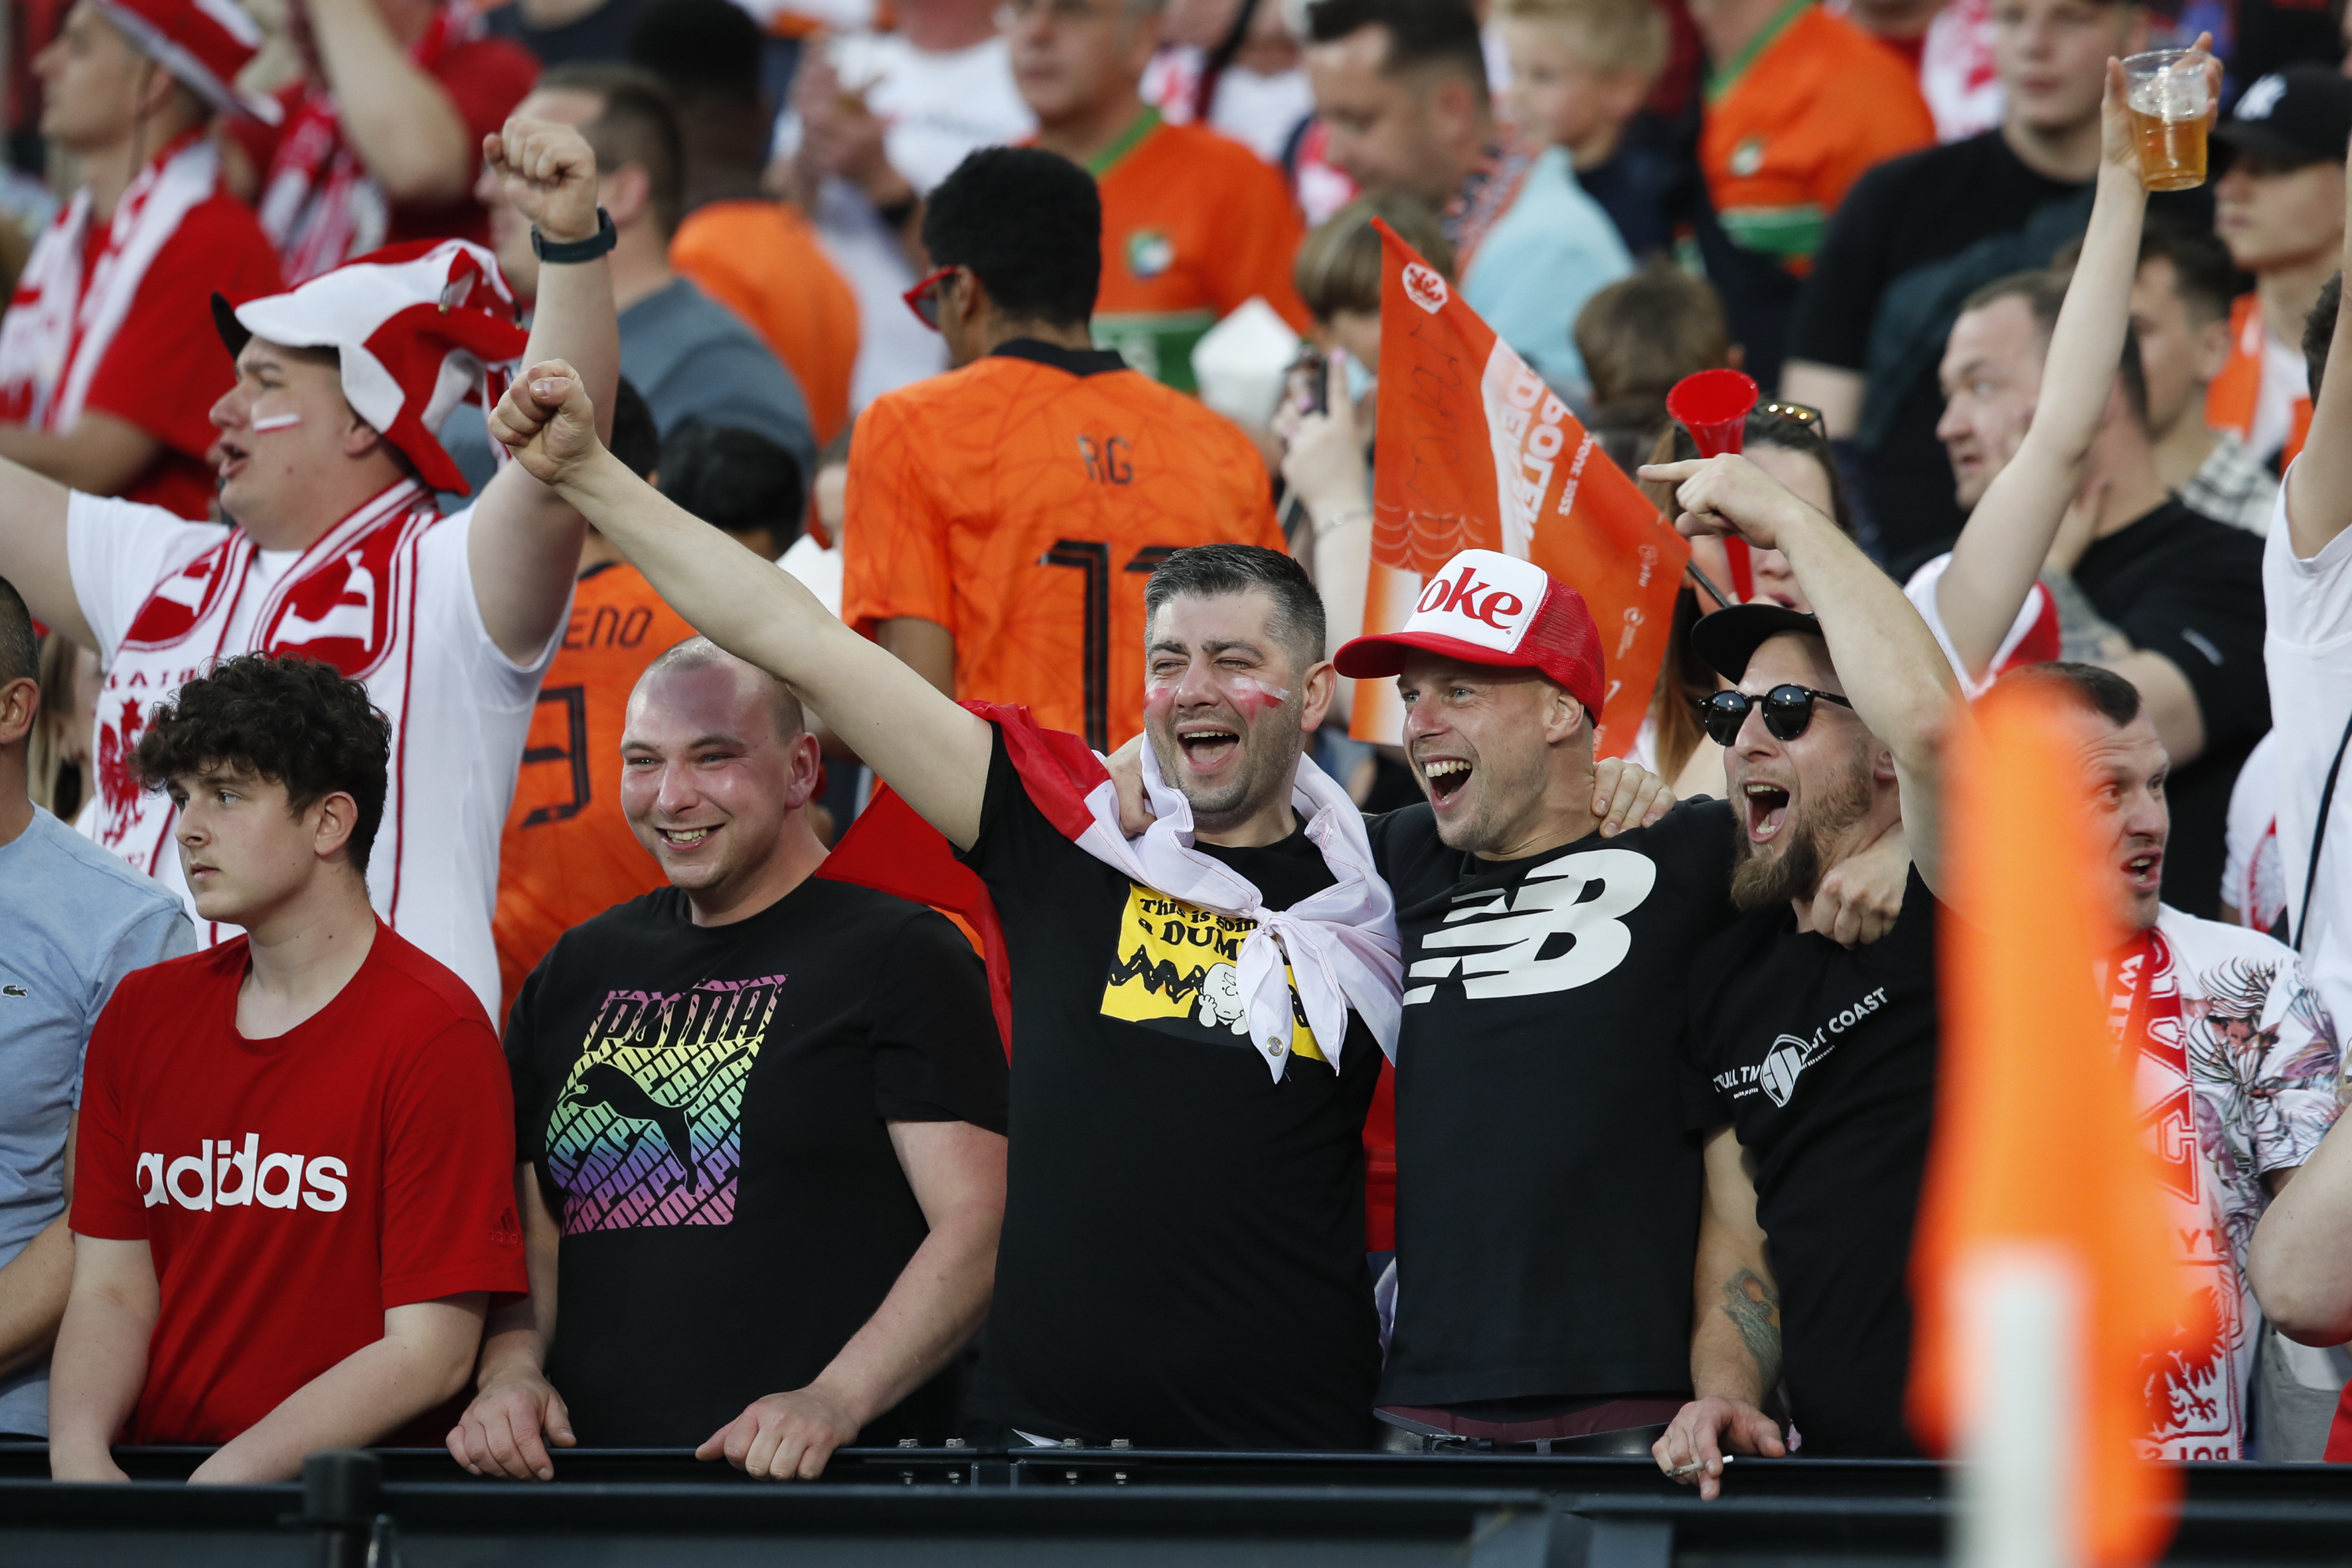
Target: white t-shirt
x=937 y=108
x=2262 y=1070
x=2031 y=638
x=386 y=596
x=2287 y=380
x=2307 y=654
x=1259 y=112
x=2252 y=882
x=819 y=569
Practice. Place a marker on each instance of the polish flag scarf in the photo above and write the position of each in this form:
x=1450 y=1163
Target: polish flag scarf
x=1339 y=948
x=57 y=332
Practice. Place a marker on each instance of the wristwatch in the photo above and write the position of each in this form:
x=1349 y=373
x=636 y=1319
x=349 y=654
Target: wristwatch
x=559 y=251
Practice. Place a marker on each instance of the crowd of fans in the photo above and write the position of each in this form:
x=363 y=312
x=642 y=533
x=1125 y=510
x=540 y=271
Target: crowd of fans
x=693 y=659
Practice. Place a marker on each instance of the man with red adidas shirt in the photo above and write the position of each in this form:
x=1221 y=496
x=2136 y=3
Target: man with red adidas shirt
x=106 y=362
x=329 y=465
x=294 y=1192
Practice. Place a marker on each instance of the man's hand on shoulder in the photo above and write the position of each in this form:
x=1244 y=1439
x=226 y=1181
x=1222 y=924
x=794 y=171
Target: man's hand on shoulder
x=784 y=1436
x=1693 y=1449
x=502 y=1432
x=1627 y=795
x=549 y=173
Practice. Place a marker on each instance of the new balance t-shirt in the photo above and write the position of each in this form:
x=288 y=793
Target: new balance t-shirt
x=1822 y=1059
x=292 y=1190
x=1547 y=1193
x=1183 y=1262
x=709 y=1108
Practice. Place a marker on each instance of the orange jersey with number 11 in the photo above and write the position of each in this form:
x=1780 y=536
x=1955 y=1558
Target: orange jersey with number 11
x=1021 y=503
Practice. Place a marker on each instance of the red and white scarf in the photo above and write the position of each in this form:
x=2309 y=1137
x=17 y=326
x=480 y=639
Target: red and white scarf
x=58 y=331
x=320 y=206
x=2191 y=1387
x=1339 y=947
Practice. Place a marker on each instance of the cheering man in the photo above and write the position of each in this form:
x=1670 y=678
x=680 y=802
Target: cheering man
x=329 y=465
x=1810 y=1067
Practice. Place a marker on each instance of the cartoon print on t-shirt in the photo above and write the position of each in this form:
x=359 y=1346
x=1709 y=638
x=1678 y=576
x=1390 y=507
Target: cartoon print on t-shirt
x=1173 y=971
x=648 y=1129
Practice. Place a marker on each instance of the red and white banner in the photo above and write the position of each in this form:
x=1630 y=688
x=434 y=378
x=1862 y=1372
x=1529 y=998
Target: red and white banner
x=1475 y=451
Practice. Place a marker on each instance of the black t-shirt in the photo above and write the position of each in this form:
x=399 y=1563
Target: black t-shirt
x=1547 y=1193
x=1182 y=1263
x=1638 y=187
x=2191 y=589
x=1914 y=238
x=1823 y=1060
x=600 y=37
x=707 y=1108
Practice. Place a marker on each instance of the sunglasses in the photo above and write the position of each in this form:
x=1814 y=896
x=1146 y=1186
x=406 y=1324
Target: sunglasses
x=1788 y=710
x=923 y=299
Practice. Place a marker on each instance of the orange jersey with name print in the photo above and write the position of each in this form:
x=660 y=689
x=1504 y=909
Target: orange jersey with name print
x=1194 y=225
x=567 y=852
x=1021 y=503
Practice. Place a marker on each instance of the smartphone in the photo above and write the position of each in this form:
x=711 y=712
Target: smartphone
x=1308 y=379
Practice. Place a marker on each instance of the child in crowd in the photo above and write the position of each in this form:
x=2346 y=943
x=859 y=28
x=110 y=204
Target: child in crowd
x=1639 y=336
x=294 y=1184
x=1580 y=71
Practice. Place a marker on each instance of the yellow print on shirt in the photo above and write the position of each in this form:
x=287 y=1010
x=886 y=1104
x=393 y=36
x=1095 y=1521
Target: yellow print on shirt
x=1175 y=969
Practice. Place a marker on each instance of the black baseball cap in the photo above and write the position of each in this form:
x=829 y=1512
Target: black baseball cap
x=1729 y=638
x=2298 y=115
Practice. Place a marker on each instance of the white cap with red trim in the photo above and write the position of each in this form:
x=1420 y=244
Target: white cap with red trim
x=1488 y=608
x=204 y=43
x=419 y=328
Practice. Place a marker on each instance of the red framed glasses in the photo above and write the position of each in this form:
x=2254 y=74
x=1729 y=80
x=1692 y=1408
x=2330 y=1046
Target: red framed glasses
x=923 y=299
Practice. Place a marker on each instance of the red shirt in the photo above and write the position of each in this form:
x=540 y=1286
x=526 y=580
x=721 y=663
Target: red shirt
x=167 y=366
x=293 y=1190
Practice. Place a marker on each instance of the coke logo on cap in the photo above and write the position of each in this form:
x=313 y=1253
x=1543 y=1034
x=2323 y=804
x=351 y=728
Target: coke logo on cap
x=1466 y=596
x=1424 y=288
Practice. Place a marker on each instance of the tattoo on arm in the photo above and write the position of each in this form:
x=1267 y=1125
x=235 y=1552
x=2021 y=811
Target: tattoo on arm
x=1754 y=1308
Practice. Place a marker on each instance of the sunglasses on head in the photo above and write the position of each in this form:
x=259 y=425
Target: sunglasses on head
x=923 y=299
x=1788 y=710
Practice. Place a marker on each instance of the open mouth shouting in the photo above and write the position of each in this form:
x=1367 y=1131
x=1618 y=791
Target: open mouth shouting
x=1768 y=810
x=1446 y=778
x=2145 y=871
x=1208 y=744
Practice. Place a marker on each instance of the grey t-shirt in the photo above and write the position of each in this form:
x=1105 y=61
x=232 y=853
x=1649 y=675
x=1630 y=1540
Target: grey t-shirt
x=74 y=921
x=692 y=358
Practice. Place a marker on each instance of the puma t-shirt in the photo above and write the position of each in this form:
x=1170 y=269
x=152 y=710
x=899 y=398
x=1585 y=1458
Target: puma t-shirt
x=1547 y=1193
x=707 y=1108
x=1822 y=1059
x=1183 y=1262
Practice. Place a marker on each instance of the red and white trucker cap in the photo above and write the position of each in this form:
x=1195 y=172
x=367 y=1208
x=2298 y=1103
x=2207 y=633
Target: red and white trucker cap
x=205 y=43
x=1487 y=608
x=420 y=328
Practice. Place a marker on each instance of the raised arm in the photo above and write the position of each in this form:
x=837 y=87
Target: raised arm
x=33 y=549
x=401 y=123
x=2009 y=535
x=931 y=752
x=1886 y=656
x=524 y=548
x=2319 y=485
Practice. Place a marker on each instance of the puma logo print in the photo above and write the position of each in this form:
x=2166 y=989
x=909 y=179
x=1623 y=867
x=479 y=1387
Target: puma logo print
x=606 y=1085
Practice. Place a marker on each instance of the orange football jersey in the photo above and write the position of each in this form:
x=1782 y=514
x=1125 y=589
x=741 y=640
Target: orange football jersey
x=1194 y=225
x=567 y=852
x=1021 y=503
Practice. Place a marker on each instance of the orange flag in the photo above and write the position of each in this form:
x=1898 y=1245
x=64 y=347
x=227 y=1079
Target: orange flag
x=1475 y=452
x=2038 y=1153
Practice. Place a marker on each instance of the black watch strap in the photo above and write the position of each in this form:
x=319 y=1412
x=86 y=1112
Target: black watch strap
x=559 y=251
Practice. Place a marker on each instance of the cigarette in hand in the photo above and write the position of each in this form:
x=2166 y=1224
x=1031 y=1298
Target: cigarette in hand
x=1685 y=1472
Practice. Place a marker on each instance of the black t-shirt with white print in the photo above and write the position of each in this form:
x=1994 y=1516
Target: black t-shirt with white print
x=1546 y=1192
x=707 y=1108
x=1183 y=1262
x=1822 y=1059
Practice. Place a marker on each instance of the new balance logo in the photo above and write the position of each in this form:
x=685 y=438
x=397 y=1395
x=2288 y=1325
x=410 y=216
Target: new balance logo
x=1565 y=928
x=222 y=1175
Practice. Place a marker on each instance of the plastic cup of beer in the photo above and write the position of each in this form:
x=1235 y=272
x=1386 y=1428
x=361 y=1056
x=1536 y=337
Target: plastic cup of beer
x=2170 y=109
